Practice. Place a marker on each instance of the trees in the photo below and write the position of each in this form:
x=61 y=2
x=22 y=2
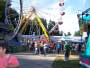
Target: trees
x=33 y=26
x=61 y=33
x=12 y=14
x=2 y=10
x=50 y=26
x=68 y=34
x=77 y=33
x=7 y=29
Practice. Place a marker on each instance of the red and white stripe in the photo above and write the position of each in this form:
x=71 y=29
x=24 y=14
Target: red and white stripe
x=86 y=65
x=85 y=62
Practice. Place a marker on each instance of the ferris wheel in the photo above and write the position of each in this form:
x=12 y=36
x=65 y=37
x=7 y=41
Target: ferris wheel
x=23 y=19
x=16 y=21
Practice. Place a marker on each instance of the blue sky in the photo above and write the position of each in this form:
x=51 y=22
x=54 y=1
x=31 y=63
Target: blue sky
x=50 y=9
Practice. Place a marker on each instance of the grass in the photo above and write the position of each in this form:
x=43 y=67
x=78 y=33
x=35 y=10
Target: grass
x=60 y=63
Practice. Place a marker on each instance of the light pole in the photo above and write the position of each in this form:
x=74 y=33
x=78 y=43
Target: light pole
x=7 y=5
x=21 y=10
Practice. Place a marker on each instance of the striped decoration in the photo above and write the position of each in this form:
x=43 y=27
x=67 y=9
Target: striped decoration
x=85 y=60
x=84 y=65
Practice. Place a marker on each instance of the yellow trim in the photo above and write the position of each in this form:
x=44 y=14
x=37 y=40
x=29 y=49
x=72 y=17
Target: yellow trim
x=42 y=26
x=24 y=17
x=24 y=21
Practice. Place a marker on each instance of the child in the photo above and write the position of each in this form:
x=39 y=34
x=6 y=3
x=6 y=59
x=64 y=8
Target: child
x=7 y=60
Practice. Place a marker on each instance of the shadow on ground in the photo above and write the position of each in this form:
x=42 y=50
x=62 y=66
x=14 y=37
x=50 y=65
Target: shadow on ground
x=29 y=61
x=60 y=63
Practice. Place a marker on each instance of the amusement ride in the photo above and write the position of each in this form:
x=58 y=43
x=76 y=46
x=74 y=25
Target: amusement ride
x=23 y=20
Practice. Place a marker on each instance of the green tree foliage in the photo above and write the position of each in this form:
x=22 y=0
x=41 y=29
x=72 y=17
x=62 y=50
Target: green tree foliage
x=68 y=34
x=45 y=25
x=77 y=33
x=61 y=33
x=51 y=25
x=2 y=10
x=65 y=34
x=33 y=26
x=44 y=22
x=12 y=14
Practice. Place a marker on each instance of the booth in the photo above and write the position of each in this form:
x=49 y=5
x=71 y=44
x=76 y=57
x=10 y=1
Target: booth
x=84 y=23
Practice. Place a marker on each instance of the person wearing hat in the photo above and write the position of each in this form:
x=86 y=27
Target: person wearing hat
x=7 y=60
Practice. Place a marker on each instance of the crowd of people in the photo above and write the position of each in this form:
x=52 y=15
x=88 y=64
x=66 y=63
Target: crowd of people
x=39 y=47
x=56 y=47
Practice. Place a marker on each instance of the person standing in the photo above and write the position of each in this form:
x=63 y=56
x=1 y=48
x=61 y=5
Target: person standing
x=58 y=47
x=7 y=60
x=36 y=47
x=45 y=48
x=79 y=47
x=67 y=51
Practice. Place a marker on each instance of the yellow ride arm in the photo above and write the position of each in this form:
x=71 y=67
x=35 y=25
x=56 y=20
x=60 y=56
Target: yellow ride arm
x=24 y=18
x=42 y=26
x=24 y=22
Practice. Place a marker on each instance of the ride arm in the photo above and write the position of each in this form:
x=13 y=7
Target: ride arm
x=24 y=22
x=42 y=26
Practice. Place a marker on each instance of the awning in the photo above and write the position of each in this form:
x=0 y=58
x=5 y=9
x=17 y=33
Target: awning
x=85 y=19
x=14 y=42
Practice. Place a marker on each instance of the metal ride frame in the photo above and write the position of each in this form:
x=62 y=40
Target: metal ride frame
x=85 y=57
x=27 y=17
x=23 y=21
